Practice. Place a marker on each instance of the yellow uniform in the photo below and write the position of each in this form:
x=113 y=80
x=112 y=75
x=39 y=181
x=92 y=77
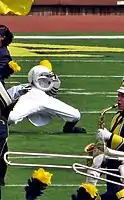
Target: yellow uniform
x=117 y=128
x=116 y=142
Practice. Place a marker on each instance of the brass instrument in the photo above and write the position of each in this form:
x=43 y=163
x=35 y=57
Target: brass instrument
x=102 y=114
x=94 y=149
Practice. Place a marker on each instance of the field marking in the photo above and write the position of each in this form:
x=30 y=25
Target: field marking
x=28 y=157
x=97 y=112
x=74 y=76
x=110 y=96
x=88 y=93
x=79 y=60
x=12 y=82
x=72 y=89
x=52 y=185
x=90 y=76
x=28 y=37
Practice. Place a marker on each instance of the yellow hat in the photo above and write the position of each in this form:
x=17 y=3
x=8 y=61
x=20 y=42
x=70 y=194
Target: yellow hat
x=46 y=63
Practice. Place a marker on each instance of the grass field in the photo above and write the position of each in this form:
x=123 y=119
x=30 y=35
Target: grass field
x=90 y=72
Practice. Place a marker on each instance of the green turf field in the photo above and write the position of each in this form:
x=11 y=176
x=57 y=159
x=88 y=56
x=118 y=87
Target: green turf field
x=90 y=72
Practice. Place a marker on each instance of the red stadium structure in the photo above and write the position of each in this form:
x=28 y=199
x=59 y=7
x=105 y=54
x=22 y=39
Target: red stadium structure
x=69 y=16
x=77 y=2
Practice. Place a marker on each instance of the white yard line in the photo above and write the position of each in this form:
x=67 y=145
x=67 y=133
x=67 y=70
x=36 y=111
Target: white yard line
x=96 y=112
x=75 y=76
x=53 y=185
x=87 y=93
x=74 y=60
x=12 y=82
x=89 y=76
x=28 y=157
x=71 y=89
x=111 y=96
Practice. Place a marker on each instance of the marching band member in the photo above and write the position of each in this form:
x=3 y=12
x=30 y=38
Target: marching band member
x=7 y=67
x=114 y=139
x=39 y=103
x=90 y=192
x=86 y=192
x=36 y=185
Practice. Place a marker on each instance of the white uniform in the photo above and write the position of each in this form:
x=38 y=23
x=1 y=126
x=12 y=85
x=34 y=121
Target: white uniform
x=38 y=106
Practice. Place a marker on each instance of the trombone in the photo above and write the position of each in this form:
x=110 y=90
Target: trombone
x=77 y=167
x=41 y=155
x=108 y=154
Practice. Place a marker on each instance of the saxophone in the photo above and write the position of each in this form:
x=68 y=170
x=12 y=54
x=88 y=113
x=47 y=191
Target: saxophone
x=94 y=149
x=102 y=115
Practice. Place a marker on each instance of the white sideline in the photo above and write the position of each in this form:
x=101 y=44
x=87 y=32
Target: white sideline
x=53 y=185
x=70 y=37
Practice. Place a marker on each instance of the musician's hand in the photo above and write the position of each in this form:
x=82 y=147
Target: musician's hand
x=104 y=134
x=121 y=170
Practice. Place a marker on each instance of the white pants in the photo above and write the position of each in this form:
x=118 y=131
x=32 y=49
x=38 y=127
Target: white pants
x=40 y=107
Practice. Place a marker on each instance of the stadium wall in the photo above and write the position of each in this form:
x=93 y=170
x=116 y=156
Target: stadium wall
x=87 y=23
x=75 y=2
x=77 y=7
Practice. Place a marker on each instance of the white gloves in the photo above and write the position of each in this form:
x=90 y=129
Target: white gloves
x=104 y=134
x=121 y=170
x=94 y=180
x=97 y=162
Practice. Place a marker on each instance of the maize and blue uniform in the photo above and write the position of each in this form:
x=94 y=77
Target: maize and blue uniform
x=5 y=71
x=116 y=142
x=5 y=58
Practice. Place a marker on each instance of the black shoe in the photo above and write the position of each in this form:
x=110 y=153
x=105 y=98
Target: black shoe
x=70 y=127
x=77 y=129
